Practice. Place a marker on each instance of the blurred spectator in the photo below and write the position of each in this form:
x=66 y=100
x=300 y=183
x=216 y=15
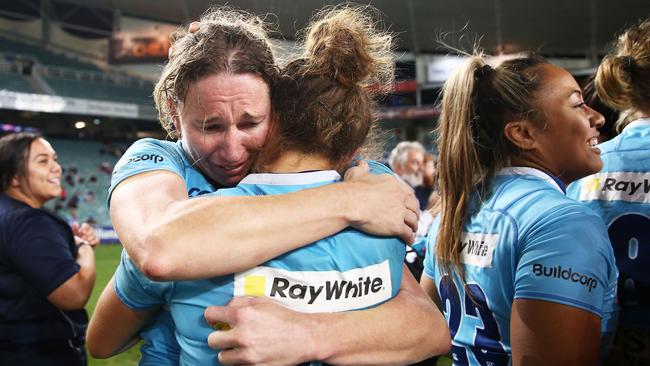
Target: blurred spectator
x=423 y=192
x=105 y=167
x=406 y=160
x=47 y=268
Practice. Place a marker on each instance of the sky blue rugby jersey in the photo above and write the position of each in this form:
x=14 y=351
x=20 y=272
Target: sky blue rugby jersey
x=347 y=271
x=159 y=346
x=620 y=193
x=526 y=241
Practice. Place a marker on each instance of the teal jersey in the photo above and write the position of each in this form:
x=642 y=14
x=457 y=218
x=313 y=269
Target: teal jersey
x=159 y=342
x=620 y=194
x=526 y=240
x=347 y=271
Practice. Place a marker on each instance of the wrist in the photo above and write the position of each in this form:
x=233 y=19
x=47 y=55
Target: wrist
x=350 y=212
x=318 y=346
x=84 y=243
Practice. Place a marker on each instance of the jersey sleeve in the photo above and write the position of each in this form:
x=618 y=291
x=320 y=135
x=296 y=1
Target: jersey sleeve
x=41 y=251
x=378 y=168
x=566 y=258
x=144 y=156
x=430 y=249
x=135 y=290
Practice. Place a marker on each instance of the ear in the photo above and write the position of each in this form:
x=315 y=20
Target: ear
x=522 y=134
x=171 y=106
x=15 y=182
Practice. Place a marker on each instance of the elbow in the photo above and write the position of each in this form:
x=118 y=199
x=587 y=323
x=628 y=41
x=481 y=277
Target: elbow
x=74 y=303
x=95 y=348
x=443 y=345
x=438 y=338
x=155 y=261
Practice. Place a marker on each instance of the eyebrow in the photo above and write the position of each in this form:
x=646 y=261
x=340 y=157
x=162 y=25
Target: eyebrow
x=579 y=92
x=216 y=119
x=42 y=154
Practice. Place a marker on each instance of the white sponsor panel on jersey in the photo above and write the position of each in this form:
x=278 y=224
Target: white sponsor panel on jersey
x=477 y=249
x=318 y=291
x=616 y=186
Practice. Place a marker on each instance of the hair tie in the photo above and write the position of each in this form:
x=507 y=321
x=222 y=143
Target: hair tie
x=628 y=63
x=484 y=71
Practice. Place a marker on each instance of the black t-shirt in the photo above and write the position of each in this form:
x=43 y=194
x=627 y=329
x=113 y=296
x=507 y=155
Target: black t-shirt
x=37 y=255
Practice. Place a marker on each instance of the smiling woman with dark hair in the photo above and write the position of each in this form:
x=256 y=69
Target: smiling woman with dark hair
x=47 y=269
x=509 y=248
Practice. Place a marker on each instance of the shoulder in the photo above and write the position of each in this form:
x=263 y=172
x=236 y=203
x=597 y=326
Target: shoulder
x=149 y=155
x=151 y=151
x=35 y=220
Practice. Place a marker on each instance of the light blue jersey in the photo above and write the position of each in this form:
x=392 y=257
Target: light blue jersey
x=160 y=347
x=347 y=271
x=620 y=193
x=527 y=240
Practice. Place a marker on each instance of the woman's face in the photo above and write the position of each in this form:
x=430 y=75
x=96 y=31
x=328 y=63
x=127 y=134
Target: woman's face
x=566 y=144
x=224 y=122
x=42 y=180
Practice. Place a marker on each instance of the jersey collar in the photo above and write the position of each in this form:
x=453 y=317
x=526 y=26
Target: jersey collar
x=317 y=176
x=638 y=123
x=524 y=170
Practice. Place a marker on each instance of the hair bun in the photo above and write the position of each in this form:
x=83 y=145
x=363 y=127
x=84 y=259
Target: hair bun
x=344 y=45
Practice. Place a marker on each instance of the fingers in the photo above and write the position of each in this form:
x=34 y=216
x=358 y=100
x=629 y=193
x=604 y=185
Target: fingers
x=194 y=27
x=217 y=315
x=411 y=220
x=407 y=235
x=87 y=233
x=75 y=228
x=223 y=339
x=412 y=204
x=359 y=170
x=232 y=356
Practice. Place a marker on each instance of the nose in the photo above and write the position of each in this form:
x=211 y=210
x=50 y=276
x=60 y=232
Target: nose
x=596 y=119
x=56 y=167
x=233 y=149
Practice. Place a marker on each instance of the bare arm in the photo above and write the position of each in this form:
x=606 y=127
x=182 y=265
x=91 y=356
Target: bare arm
x=403 y=330
x=73 y=294
x=546 y=333
x=430 y=289
x=170 y=237
x=114 y=327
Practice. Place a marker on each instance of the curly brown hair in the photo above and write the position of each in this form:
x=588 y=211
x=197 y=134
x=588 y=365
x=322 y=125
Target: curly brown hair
x=229 y=40
x=325 y=96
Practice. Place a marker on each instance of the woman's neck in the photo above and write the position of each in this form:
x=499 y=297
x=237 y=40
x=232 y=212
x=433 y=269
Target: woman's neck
x=291 y=161
x=19 y=195
x=532 y=163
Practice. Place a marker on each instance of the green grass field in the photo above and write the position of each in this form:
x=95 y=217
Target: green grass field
x=107 y=257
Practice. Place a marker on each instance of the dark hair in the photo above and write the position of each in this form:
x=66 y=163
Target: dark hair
x=230 y=41
x=325 y=96
x=14 y=152
x=477 y=102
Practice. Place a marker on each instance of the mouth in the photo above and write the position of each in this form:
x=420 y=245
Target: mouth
x=592 y=142
x=236 y=169
x=56 y=181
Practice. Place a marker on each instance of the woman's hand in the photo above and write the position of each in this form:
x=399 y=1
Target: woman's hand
x=84 y=234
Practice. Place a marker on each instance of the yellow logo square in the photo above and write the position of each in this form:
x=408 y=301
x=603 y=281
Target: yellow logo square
x=592 y=184
x=254 y=285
